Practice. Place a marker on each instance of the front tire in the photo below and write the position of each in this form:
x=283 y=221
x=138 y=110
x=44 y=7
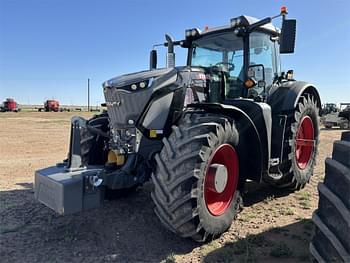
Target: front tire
x=93 y=146
x=196 y=180
x=345 y=125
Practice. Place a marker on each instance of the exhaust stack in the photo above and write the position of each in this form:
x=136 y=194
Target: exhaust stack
x=170 y=57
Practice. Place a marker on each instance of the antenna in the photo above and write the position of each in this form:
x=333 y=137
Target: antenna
x=88 y=96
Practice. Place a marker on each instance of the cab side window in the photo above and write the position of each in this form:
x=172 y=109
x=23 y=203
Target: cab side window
x=262 y=51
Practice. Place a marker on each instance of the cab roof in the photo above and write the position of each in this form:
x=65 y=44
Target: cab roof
x=245 y=21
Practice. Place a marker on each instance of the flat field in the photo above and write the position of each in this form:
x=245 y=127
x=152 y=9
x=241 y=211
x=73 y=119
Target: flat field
x=275 y=225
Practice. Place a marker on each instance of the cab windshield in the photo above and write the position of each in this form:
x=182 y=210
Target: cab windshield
x=224 y=52
x=225 y=49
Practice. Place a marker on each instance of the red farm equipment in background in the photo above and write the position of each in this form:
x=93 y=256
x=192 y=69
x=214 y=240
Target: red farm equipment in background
x=9 y=105
x=50 y=105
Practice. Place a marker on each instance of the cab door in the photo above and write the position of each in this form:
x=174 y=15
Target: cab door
x=262 y=52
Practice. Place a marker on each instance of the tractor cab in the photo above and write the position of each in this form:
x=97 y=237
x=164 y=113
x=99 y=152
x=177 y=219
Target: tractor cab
x=221 y=55
x=241 y=60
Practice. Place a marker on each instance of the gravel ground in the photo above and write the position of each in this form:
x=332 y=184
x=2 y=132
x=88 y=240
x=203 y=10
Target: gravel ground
x=275 y=225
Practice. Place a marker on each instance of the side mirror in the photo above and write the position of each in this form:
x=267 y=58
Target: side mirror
x=287 y=38
x=256 y=71
x=153 y=59
x=256 y=76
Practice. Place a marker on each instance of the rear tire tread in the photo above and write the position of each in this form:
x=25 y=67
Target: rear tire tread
x=332 y=218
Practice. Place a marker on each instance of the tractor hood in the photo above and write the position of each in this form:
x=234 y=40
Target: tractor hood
x=131 y=78
x=126 y=99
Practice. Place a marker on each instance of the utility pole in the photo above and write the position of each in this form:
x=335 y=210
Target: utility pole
x=88 y=90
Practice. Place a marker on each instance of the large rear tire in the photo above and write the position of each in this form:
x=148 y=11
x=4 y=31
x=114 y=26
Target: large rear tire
x=196 y=180
x=300 y=146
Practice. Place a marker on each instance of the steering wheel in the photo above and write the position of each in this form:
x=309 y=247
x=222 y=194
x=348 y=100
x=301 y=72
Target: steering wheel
x=230 y=65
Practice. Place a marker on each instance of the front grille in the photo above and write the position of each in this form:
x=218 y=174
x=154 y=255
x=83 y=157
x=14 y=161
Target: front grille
x=123 y=106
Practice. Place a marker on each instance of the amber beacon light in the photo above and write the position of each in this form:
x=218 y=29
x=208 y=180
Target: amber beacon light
x=284 y=10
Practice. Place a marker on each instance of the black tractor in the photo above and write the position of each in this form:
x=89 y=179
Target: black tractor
x=329 y=108
x=198 y=132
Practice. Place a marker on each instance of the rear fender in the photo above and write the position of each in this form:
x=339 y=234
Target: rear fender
x=284 y=98
x=249 y=147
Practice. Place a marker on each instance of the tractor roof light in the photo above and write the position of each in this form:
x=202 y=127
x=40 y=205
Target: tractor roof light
x=238 y=31
x=235 y=21
x=290 y=74
x=191 y=33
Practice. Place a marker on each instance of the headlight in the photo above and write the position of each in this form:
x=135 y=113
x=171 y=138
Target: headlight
x=142 y=84
x=139 y=85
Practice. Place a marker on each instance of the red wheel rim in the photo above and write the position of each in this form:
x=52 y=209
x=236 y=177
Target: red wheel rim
x=304 y=144
x=218 y=202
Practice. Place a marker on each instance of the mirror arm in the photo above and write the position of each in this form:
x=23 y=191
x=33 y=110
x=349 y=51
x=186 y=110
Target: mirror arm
x=259 y=23
x=157 y=45
x=175 y=43
x=266 y=21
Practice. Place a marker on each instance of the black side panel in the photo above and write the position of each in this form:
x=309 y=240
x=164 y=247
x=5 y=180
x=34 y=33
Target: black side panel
x=278 y=130
x=249 y=146
x=173 y=113
x=255 y=113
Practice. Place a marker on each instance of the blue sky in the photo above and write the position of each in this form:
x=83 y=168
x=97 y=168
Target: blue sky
x=48 y=48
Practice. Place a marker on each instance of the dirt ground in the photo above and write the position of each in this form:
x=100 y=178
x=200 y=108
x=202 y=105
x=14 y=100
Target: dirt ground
x=274 y=226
